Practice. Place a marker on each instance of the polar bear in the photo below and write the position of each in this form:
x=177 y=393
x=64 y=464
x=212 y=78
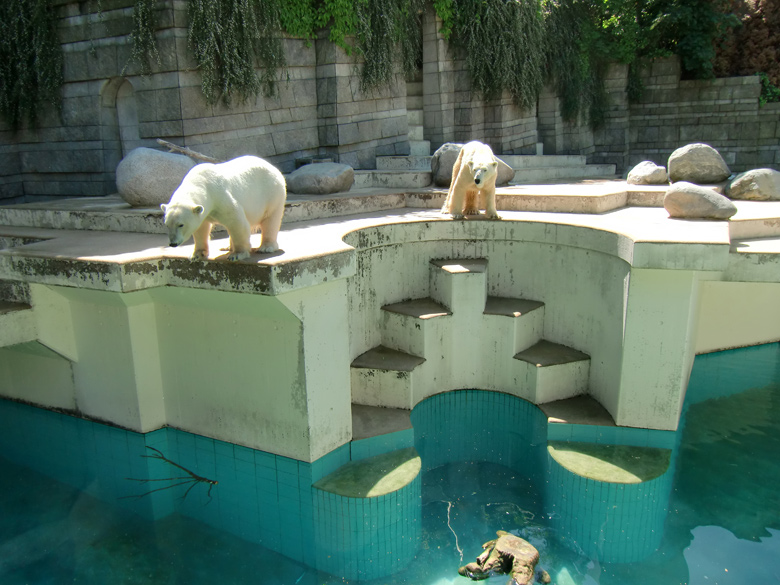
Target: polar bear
x=240 y=194
x=473 y=177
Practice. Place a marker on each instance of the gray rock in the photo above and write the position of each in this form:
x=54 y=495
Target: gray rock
x=688 y=201
x=444 y=159
x=321 y=179
x=647 y=173
x=755 y=185
x=148 y=177
x=697 y=163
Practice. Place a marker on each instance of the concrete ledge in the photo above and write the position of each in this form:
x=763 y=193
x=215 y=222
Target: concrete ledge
x=611 y=463
x=375 y=476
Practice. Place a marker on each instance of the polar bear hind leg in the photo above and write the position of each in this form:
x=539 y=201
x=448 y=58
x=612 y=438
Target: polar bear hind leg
x=269 y=231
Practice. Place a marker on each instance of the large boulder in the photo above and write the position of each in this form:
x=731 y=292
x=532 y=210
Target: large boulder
x=444 y=159
x=647 y=173
x=697 y=163
x=755 y=185
x=321 y=179
x=147 y=177
x=688 y=201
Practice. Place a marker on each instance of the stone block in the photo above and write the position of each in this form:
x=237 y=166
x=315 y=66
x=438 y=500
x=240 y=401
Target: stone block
x=295 y=140
x=170 y=128
x=61 y=161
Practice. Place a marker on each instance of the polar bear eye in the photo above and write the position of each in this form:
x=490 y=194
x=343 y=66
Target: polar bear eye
x=181 y=225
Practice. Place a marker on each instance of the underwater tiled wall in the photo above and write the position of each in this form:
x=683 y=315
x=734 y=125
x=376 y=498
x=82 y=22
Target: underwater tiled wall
x=368 y=538
x=611 y=522
x=269 y=499
x=261 y=497
x=477 y=425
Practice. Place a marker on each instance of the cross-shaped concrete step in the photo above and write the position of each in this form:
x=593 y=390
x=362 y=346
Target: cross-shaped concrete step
x=383 y=377
x=412 y=326
x=554 y=371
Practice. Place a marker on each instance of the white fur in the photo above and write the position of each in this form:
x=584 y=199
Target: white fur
x=473 y=178
x=241 y=194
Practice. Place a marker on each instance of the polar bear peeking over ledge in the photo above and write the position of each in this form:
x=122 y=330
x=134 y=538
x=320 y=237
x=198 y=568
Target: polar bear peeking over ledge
x=473 y=178
x=241 y=194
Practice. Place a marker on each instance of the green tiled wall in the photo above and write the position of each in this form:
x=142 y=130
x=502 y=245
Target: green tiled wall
x=368 y=538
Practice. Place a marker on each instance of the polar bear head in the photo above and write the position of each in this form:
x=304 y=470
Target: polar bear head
x=483 y=171
x=181 y=220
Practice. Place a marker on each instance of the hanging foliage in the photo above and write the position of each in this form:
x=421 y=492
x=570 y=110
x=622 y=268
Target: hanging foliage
x=230 y=37
x=389 y=38
x=575 y=59
x=501 y=42
x=142 y=41
x=30 y=60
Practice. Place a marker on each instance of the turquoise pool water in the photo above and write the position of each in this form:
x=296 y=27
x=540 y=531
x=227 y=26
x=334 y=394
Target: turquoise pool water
x=722 y=524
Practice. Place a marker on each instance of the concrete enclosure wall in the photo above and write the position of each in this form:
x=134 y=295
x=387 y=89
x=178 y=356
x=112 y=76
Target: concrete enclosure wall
x=108 y=109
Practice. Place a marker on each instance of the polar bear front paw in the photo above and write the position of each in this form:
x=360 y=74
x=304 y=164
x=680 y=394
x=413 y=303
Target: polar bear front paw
x=493 y=216
x=457 y=216
x=200 y=255
x=235 y=256
x=268 y=248
x=471 y=211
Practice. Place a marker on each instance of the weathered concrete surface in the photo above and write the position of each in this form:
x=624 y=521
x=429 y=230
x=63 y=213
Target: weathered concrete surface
x=602 y=261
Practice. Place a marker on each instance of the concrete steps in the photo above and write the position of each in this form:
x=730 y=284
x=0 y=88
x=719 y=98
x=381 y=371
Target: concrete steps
x=414 y=171
x=531 y=175
x=17 y=324
x=461 y=337
x=411 y=179
x=555 y=371
x=418 y=146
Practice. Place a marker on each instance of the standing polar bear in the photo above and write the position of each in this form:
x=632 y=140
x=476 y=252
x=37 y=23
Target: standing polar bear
x=241 y=194
x=473 y=177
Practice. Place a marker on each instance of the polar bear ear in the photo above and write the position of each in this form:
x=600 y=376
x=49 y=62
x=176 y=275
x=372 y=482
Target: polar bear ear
x=198 y=209
x=494 y=164
x=164 y=207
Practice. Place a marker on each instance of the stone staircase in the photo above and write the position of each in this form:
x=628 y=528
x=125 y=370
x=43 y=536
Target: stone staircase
x=414 y=171
x=545 y=168
x=17 y=324
x=460 y=337
x=418 y=146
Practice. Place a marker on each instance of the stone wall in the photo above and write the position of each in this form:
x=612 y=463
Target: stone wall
x=108 y=108
x=723 y=113
x=671 y=113
x=454 y=113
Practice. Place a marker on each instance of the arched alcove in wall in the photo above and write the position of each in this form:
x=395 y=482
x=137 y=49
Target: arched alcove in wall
x=119 y=125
